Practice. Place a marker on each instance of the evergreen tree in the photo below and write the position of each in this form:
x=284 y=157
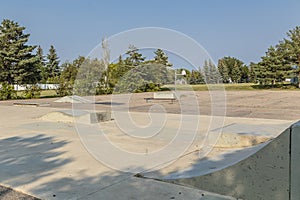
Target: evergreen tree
x=18 y=65
x=223 y=70
x=211 y=74
x=196 y=77
x=235 y=73
x=274 y=68
x=161 y=58
x=134 y=57
x=40 y=55
x=232 y=70
x=70 y=70
x=214 y=74
x=253 y=78
x=244 y=74
x=117 y=70
x=292 y=46
x=52 y=65
x=41 y=64
x=281 y=61
x=206 y=72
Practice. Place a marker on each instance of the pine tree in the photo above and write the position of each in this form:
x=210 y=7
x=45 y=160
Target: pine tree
x=196 y=77
x=223 y=70
x=134 y=57
x=211 y=74
x=232 y=69
x=206 y=72
x=41 y=64
x=52 y=65
x=281 y=61
x=18 y=65
x=273 y=67
x=253 y=77
x=161 y=58
x=235 y=73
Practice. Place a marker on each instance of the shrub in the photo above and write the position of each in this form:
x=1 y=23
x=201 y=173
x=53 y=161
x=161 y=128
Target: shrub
x=7 y=91
x=64 y=88
x=32 y=91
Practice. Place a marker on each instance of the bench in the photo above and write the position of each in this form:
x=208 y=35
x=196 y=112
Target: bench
x=162 y=96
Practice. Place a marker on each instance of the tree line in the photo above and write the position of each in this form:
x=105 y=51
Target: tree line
x=21 y=63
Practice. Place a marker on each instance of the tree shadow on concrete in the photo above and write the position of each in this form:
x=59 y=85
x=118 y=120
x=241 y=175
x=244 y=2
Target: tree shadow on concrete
x=26 y=160
x=26 y=163
x=29 y=163
x=22 y=156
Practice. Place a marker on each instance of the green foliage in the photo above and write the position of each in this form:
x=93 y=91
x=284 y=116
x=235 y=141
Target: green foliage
x=252 y=74
x=196 y=77
x=53 y=80
x=143 y=78
x=32 y=91
x=70 y=70
x=233 y=70
x=161 y=58
x=211 y=74
x=280 y=61
x=89 y=77
x=276 y=87
x=7 y=91
x=65 y=88
x=52 y=65
x=17 y=62
x=134 y=57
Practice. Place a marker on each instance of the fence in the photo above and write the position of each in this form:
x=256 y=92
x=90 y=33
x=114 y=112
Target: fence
x=42 y=86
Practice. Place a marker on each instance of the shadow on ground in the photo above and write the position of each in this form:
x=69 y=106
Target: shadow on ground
x=30 y=163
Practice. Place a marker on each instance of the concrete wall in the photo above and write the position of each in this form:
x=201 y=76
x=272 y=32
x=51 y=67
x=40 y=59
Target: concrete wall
x=295 y=162
x=271 y=174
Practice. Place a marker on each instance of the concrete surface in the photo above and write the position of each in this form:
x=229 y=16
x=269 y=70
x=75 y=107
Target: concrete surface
x=48 y=160
x=270 y=173
x=264 y=175
x=295 y=162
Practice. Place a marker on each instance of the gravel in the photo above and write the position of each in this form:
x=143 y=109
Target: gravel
x=10 y=194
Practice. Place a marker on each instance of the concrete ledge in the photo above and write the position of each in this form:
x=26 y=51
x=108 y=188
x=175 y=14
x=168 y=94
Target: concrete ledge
x=100 y=117
x=31 y=104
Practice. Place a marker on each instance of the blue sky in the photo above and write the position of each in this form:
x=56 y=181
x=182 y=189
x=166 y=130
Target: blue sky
x=240 y=28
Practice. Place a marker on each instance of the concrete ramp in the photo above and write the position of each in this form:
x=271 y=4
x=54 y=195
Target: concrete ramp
x=73 y=99
x=269 y=170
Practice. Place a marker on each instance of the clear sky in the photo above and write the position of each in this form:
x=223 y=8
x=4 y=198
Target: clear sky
x=240 y=28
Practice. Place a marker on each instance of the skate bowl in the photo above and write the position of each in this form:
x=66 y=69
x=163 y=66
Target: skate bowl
x=266 y=169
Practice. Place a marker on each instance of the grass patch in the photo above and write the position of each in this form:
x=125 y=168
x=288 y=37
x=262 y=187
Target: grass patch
x=44 y=94
x=48 y=94
x=277 y=87
x=231 y=87
x=206 y=87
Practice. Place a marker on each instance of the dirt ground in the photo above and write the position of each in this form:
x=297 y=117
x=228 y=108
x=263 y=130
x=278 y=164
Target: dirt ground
x=250 y=104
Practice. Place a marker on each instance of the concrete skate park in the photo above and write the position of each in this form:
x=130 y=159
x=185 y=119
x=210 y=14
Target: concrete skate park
x=61 y=149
